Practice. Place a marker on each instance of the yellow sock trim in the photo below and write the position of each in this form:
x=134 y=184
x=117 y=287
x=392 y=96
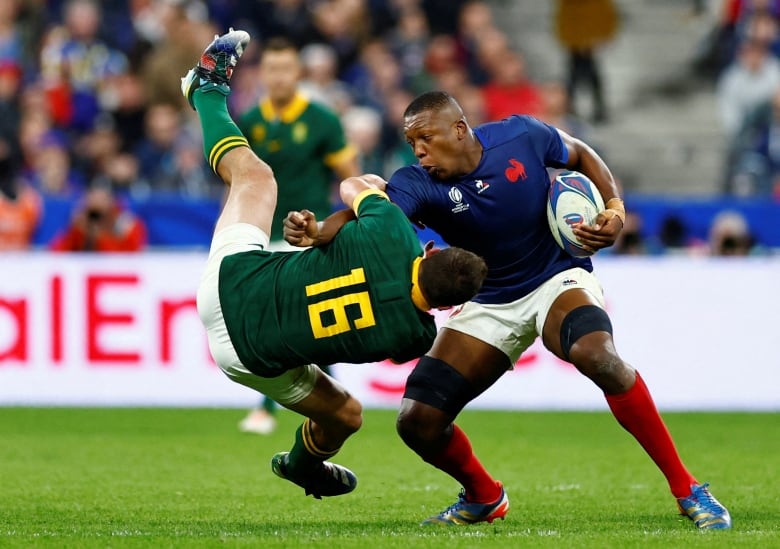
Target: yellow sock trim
x=311 y=446
x=224 y=145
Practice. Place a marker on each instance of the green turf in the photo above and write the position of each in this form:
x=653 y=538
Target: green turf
x=188 y=478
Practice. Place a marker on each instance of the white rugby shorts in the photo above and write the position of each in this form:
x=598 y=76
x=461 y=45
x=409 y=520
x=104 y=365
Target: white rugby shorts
x=513 y=327
x=289 y=388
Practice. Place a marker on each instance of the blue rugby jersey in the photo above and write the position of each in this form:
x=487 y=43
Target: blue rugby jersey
x=499 y=210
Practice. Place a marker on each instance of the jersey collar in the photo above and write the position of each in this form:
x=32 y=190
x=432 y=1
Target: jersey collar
x=288 y=114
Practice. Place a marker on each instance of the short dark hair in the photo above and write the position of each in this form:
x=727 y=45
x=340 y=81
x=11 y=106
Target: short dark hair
x=280 y=43
x=451 y=276
x=429 y=101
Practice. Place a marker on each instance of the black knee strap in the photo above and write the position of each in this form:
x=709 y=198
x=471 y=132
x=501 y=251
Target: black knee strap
x=581 y=321
x=436 y=383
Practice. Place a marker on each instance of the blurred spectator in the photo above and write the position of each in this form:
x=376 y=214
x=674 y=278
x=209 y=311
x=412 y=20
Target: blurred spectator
x=184 y=33
x=156 y=151
x=320 y=77
x=581 y=26
x=761 y=26
x=344 y=24
x=266 y=19
x=673 y=235
x=475 y=23
x=472 y=101
x=170 y=158
x=630 y=241
x=363 y=127
x=10 y=87
x=376 y=75
x=77 y=67
x=397 y=152
x=441 y=55
x=442 y=15
x=556 y=110
x=119 y=172
x=729 y=235
x=128 y=109
x=51 y=171
x=408 y=42
x=96 y=149
x=509 y=90
x=20 y=212
x=756 y=156
x=715 y=51
x=101 y=224
x=11 y=45
x=746 y=84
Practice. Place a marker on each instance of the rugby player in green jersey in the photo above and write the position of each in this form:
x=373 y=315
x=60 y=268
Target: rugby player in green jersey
x=304 y=144
x=360 y=294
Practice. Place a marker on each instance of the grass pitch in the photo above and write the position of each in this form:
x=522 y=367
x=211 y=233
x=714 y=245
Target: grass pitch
x=188 y=478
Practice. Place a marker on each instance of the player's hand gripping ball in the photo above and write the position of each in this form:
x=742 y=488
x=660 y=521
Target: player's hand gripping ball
x=572 y=199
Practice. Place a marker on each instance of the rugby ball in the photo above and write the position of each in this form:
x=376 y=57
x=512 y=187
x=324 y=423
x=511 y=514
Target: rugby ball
x=572 y=199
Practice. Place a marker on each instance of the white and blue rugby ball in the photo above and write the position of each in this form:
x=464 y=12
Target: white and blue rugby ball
x=572 y=199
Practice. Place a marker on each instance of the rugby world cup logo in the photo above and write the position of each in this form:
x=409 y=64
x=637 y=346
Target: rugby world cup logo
x=457 y=197
x=573 y=219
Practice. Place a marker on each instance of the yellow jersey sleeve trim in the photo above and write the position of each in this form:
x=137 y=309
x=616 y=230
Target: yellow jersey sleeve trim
x=362 y=194
x=335 y=158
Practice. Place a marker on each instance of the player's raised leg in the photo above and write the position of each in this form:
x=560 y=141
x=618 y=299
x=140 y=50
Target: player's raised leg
x=252 y=194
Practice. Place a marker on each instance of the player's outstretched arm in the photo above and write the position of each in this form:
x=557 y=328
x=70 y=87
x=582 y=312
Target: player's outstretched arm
x=351 y=187
x=302 y=228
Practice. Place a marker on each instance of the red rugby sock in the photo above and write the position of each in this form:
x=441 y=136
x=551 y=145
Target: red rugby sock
x=458 y=461
x=636 y=412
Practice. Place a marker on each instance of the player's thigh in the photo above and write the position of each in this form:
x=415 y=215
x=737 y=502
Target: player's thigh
x=288 y=389
x=585 y=296
x=479 y=362
x=251 y=195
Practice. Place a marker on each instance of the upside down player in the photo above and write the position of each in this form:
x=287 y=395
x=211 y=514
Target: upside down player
x=484 y=189
x=270 y=315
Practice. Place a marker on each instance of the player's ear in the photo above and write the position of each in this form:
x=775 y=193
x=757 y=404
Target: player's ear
x=461 y=128
x=429 y=250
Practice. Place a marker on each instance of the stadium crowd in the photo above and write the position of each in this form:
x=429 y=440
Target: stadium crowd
x=89 y=93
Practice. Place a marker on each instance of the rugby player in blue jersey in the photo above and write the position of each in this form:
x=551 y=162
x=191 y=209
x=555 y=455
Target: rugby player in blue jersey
x=485 y=189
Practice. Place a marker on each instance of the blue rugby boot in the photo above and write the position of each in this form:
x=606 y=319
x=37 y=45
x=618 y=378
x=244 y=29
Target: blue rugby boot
x=216 y=64
x=465 y=512
x=703 y=509
x=326 y=480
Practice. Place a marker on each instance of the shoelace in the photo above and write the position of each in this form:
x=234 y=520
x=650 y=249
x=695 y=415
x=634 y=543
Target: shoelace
x=704 y=497
x=461 y=500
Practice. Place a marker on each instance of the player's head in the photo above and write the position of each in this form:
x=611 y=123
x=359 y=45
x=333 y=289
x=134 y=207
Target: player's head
x=437 y=131
x=280 y=69
x=451 y=276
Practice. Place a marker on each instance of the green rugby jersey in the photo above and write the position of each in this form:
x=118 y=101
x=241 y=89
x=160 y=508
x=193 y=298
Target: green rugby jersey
x=301 y=144
x=347 y=301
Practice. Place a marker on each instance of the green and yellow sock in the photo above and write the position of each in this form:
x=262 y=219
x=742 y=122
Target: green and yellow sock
x=305 y=454
x=220 y=133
